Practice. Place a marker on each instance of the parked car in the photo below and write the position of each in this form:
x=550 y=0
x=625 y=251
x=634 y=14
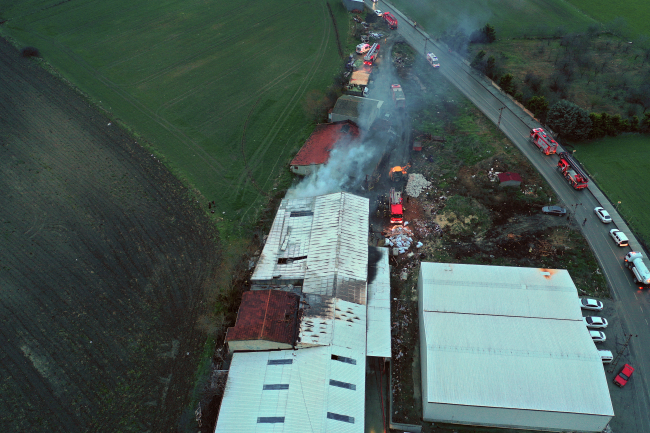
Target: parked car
x=379 y=13
x=603 y=215
x=606 y=356
x=363 y=48
x=591 y=304
x=554 y=210
x=598 y=336
x=619 y=237
x=595 y=322
x=624 y=375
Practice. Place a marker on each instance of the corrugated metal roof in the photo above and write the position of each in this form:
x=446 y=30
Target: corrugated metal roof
x=514 y=362
x=304 y=405
x=342 y=324
x=330 y=238
x=509 y=337
x=500 y=290
x=379 y=337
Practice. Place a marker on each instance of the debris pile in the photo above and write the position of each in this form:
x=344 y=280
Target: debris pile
x=493 y=175
x=416 y=184
x=399 y=237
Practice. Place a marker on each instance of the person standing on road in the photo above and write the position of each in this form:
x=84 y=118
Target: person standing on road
x=584 y=222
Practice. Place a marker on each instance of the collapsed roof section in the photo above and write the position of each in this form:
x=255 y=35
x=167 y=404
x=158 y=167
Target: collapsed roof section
x=319 y=244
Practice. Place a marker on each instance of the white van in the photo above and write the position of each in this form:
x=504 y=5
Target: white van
x=363 y=48
x=619 y=237
x=433 y=60
x=606 y=356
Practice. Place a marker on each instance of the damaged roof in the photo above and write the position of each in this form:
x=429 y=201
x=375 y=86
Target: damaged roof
x=320 y=143
x=270 y=315
x=352 y=106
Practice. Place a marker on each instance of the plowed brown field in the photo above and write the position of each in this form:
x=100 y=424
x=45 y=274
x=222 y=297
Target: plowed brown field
x=103 y=263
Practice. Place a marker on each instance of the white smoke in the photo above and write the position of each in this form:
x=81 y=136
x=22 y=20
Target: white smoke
x=345 y=170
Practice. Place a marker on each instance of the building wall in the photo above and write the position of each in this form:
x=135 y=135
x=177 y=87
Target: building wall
x=256 y=345
x=513 y=418
x=423 y=344
x=339 y=117
x=304 y=170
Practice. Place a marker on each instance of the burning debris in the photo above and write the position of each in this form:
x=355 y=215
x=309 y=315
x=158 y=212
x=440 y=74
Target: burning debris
x=416 y=184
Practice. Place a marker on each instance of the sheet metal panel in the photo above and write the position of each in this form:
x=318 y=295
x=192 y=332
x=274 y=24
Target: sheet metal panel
x=349 y=325
x=499 y=290
x=509 y=362
x=378 y=319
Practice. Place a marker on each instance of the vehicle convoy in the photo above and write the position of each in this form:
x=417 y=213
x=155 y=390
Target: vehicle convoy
x=572 y=171
x=372 y=54
x=390 y=20
x=433 y=60
x=635 y=263
x=396 y=208
x=542 y=140
x=398 y=96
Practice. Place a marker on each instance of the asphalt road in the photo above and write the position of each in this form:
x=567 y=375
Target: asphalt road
x=631 y=303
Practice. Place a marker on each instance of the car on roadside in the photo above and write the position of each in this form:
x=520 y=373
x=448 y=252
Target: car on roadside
x=379 y=13
x=554 y=210
x=603 y=215
x=606 y=356
x=624 y=375
x=595 y=322
x=598 y=336
x=591 y=304
x=619 y=237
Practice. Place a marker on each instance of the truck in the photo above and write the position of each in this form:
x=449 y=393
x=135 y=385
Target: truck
x=571 y=171
x=396 y=208
x=541 y=139
x=398 y=173
x=390 y=20
x=372 y=54
x=398 y=96
x=634 y=262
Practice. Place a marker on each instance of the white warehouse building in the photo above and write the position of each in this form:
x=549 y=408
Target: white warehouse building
x=506 y=347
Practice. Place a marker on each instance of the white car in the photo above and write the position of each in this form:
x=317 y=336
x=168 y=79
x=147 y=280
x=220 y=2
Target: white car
x=591 y=304
x=619 y=237
x=603 y=215
x=379 y=13
x=598 y=336
x=595 y=322
x=605 y=356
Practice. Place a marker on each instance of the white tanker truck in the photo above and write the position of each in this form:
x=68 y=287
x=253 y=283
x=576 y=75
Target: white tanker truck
x=634 y=262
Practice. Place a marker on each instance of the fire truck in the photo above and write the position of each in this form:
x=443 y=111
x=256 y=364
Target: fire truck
x=398 y=96
x=542 y=140
x=572 y=171
x=372 y=54
x=396 y=208
x=390 y=20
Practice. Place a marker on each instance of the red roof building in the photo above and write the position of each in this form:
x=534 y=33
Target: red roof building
x=267 y=320
x=509 y=179
x=317 y=148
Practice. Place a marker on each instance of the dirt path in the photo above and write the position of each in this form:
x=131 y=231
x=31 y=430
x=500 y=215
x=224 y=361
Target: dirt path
x=103 y=264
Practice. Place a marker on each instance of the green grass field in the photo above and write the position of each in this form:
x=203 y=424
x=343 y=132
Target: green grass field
x=511 y=18
x=620 y=167
x=216 y=88
x=635 y=12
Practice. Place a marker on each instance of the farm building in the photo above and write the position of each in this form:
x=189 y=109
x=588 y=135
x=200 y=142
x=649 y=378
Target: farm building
x=353 y=5
x=509 y=179
x=362 y=111
x=506 y=347
x=267 y=320
x=316 y=150
x=317 y=258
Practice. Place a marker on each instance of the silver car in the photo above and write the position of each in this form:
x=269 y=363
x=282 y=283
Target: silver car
x=598 y=336
x=591 y=304
x=603 y=215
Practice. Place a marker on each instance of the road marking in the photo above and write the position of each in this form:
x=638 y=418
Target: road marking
x=646 y=322
x=641 y=308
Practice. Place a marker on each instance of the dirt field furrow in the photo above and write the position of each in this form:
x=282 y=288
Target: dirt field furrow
x=103 y=261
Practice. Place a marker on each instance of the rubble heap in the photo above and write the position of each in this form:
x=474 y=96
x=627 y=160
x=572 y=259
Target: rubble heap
x=416 y=184
x=399 y=237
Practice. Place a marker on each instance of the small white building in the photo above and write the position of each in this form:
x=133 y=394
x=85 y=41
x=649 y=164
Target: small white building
x=506 y=347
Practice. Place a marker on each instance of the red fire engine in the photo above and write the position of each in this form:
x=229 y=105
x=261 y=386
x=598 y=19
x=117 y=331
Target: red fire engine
x=390 y=20
x=396 y=208
x=542 y=140
x=572 y=171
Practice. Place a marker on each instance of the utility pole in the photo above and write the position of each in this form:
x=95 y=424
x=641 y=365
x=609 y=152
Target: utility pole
x=500 y=112
x=619 y=354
